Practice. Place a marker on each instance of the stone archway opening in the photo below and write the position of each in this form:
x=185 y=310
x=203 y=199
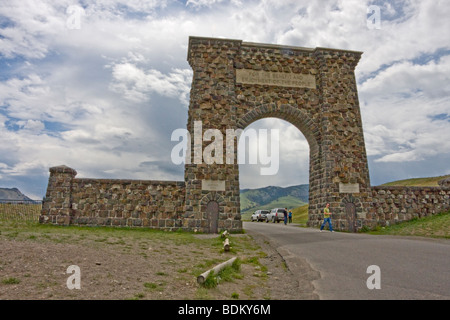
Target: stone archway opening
x=281 y=149
x=297 y=117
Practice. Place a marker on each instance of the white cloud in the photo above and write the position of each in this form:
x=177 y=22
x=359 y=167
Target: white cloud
x=210 y=3
x=135 y=83
x=399 y=104
x=34 y=126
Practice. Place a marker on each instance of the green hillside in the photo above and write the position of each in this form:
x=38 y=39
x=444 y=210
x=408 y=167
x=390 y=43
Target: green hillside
x=272 y=197
x=289 y=202
x=253 y=198
x=417 y=182
x=300 y=215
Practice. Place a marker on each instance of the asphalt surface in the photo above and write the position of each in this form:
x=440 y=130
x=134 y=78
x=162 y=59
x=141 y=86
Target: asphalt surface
x=409 y=267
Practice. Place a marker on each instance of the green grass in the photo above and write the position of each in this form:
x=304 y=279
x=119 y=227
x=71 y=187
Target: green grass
x=11 y=281
x=25 y=230
x=417 y=182
x=300 y=215
x=437 y=226
x=154 y=286
x=227 y=274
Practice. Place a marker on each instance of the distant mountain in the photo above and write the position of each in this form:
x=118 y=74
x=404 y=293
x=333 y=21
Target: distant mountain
x=274 y=197
x=12 y=194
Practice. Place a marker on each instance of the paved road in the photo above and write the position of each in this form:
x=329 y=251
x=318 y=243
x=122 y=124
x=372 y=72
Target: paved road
x=409 y=268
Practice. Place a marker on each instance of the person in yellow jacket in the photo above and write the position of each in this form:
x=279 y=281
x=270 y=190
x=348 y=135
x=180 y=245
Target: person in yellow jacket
x=326 y=218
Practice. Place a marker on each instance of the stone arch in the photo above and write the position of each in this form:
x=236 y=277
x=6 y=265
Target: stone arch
x=236 y=83
x=213 y=196
x=297 y=117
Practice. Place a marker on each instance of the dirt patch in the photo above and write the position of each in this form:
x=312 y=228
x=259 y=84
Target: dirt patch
x=139 y=265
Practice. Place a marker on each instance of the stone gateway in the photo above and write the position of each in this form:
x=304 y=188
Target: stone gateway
x=234 y=84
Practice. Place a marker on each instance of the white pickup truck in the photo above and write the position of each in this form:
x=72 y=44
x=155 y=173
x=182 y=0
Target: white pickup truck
x=276 y=215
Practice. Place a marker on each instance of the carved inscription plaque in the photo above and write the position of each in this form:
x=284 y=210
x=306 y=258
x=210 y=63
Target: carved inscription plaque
x=282 y=79
x=213 y=185
x=349 y=187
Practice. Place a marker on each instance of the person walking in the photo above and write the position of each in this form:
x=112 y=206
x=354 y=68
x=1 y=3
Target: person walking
x=290 y=216
x=326 y=218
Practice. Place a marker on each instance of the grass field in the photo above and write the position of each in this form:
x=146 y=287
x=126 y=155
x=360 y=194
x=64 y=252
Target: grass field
x=437 y=226
x=417 y=182
x=300 y=215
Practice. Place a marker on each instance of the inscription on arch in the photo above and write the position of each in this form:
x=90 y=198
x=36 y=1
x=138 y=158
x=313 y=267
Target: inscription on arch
x=281 y=79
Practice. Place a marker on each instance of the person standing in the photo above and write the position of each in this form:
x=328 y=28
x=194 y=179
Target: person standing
x=290 y=216
x=285 y=216
x=326 y=218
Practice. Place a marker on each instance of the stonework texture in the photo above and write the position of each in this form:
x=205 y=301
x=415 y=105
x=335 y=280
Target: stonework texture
x=325 y=109
x=396 y=204
x=328 y=115
x=124 y=203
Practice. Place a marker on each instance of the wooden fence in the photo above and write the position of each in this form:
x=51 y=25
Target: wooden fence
x=20 y=210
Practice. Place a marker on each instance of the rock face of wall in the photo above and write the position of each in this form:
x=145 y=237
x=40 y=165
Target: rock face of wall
x=108 y=202
x=127 y=203
x=134 y=203
x=396 y=204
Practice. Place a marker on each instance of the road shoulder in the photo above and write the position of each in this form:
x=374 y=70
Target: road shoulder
x=291 y=277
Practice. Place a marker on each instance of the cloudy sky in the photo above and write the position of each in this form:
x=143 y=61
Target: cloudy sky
x=101 y=85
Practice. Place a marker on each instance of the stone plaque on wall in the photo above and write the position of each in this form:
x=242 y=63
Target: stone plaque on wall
x=349 y=187
x=213 y=185
x=282 y=79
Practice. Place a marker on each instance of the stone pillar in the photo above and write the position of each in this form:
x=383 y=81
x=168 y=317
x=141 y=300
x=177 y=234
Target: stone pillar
x=56 y=207
x=343 y=152
x=212 y=108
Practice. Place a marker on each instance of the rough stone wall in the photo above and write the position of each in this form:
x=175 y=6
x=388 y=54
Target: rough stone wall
x=136 y=203
x=396 y=204
x=212 y=101
x=56 y=207
x=111 y=202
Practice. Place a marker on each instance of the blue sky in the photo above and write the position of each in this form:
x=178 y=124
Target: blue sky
x=101 y=85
